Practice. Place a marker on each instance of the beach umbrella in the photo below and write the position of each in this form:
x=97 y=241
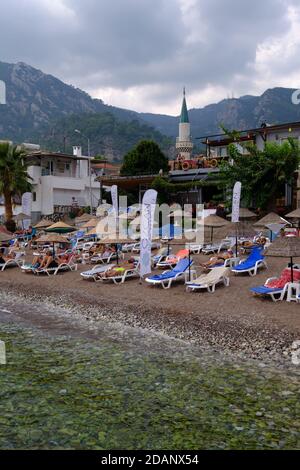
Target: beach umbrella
x=44 y=223
x=294 y=215
x=3 y=229
x=82 y=219
x=52 y=238
x=270 y=218
x=285 y=247
x=137 y=221
x=20 y=217
x=213 y=221
x=5 y=237
x=91 y=223
x=60 y=227
x=245 y=214
x=127 y=216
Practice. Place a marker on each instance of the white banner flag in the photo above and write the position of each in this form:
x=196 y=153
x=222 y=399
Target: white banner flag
x=236 y=197
x=26 y=208
x=147 y=221
x=114 y=199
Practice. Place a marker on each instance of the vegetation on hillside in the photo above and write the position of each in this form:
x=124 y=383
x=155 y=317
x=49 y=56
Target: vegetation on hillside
x=145 y=158
x=109 y=136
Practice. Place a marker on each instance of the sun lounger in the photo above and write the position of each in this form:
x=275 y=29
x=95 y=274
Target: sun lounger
x=227 y=263
x=100 y=258
x=10 y=263
x=160 y=255
x=210 y=280
x=168 y=277
x=69 y=266
x=216 y=247
x=172 y=260
x=122 y=277
x=251 y=265
x=92 y=273
x=277 y=287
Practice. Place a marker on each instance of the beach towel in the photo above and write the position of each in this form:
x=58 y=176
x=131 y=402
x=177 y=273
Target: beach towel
x=285 y=277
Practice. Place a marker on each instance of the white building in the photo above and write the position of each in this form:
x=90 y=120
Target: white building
x=60 y=181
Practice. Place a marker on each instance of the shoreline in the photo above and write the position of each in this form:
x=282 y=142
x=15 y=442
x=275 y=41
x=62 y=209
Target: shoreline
x=271 y=345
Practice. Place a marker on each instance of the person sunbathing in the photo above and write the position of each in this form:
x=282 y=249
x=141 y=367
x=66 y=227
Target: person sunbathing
x=5 y=258
x=218 y=259
x=258 y=241
x=48 y=261
x=118 y=270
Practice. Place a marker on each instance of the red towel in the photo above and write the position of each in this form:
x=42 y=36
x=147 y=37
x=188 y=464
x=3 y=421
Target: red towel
x=285 y=277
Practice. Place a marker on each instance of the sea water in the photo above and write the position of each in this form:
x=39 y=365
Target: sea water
x=70 y=386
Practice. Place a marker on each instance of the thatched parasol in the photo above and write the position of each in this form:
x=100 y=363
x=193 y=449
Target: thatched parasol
x=179 y=213
x=137 y=221
x=61 y=227
x=285 y=247
x=52 y=238
x=5 y=237
x=91 y=223
x=82 y=219
x=245 y=214
x=44 y=223
x=270 y=218
x=20 y=217
x=213 y=221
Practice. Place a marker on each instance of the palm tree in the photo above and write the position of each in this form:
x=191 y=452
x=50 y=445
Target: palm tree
x=14 y=179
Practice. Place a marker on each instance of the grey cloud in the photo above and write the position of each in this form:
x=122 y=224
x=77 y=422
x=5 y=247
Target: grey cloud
x=125 y=43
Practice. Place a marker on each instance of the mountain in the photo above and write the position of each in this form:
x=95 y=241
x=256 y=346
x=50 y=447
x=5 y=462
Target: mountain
x=274 y=106
x=108 y=135
x=43 y=109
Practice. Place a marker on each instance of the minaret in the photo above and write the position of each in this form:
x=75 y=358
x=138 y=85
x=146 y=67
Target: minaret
x=184 y=144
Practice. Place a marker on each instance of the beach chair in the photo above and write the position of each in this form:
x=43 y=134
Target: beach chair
x=172 y=260
x=69 y=266
x=251 y=265
x=160 y=255
x=210 y=280
x=277 y=287
x=216 y=247
x=122 y=277
x=100 y=258
x=11 y=263
x=92 y=273
x=168 y=277
x=227 y=263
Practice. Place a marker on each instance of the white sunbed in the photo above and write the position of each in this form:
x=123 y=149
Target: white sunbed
x=92 y=273
x=121 y=278
x=99 y=258
x=11 y=263
x=165 y=280
x=69 y=266
x=228 y=263
x=210 y=280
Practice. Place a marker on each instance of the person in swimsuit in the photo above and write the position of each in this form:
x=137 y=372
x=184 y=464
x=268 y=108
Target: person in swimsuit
x=118 y=270
x=219 y=259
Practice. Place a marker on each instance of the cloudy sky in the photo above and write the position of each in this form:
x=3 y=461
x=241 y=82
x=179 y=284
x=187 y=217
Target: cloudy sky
x=139 y=54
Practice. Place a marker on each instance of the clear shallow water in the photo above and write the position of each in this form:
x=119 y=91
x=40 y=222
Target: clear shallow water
x=112 y=388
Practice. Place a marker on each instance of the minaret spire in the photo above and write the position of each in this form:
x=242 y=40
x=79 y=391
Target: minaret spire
x=184 y=143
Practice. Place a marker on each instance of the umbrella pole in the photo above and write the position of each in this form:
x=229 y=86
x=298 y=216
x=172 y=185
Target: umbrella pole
x=117 y=254
x=236 y=242
x=292 y=270
x=212 y=234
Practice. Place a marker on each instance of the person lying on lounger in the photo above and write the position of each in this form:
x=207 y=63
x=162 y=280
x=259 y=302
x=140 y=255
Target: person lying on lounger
x=8 y=257
x=218 y=259
x=118 y=270
x=258 y=241
x=48 y=261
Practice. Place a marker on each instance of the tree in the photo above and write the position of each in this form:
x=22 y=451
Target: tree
x=14 y=179
x=145 y=158
x=262 y=173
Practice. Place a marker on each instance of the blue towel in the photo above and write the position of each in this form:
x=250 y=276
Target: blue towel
x=255 y=255
x=265 y=290
x=181 y=267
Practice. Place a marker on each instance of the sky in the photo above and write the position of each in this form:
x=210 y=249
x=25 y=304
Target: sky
x=138 y=54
